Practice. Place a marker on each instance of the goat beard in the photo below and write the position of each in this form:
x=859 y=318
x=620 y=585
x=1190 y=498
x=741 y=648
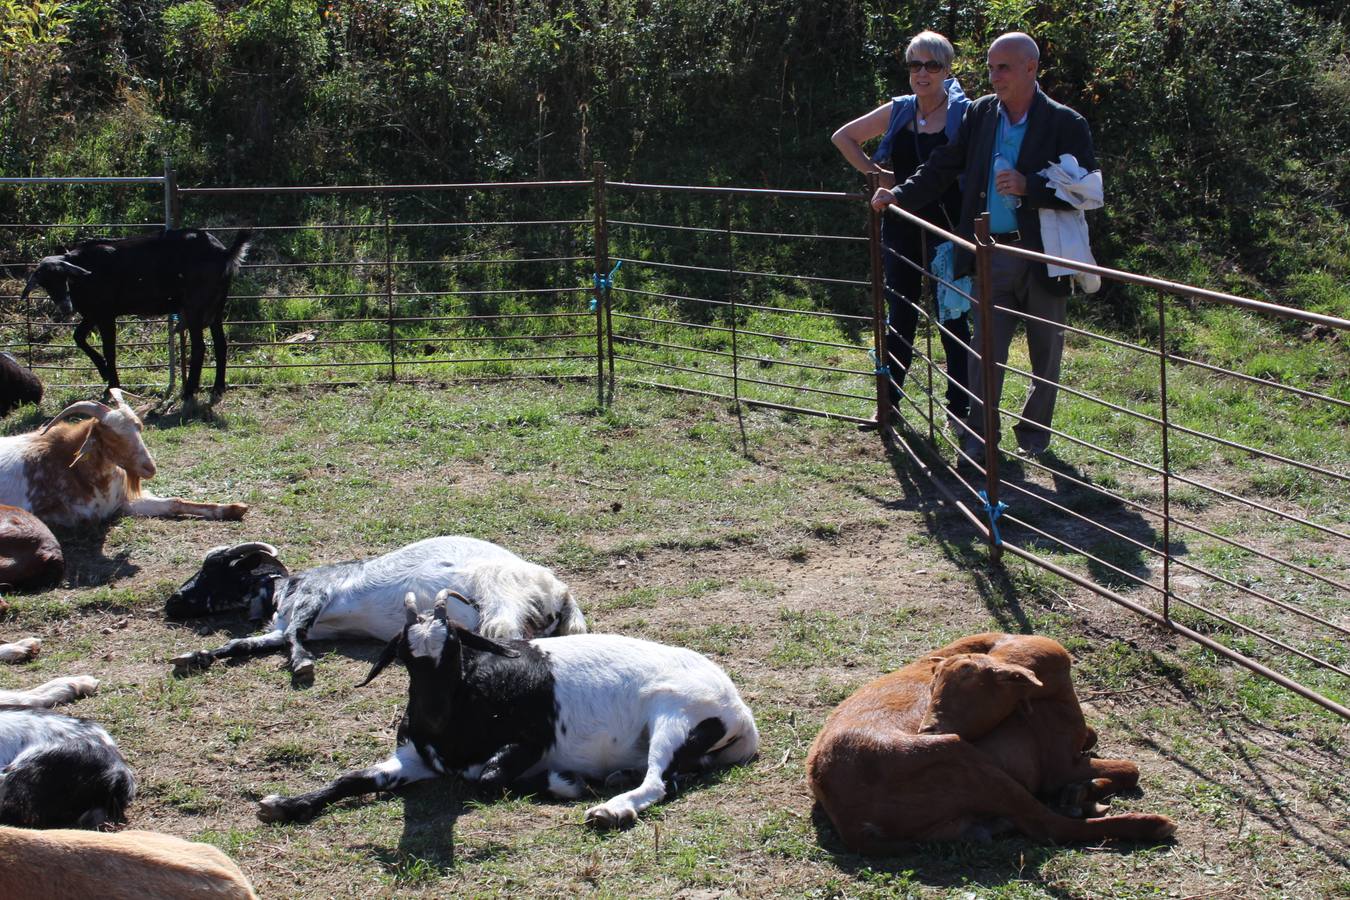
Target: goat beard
x=133 y=486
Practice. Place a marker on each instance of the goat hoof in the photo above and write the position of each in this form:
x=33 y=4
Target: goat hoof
x=233 y=512
x=272 y=808
x=303 y=673
x=603 y=817
x=83 y=685
x=188 y=663
x=25 y=650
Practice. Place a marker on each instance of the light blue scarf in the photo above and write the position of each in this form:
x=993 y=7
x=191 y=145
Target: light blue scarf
x=951 y=303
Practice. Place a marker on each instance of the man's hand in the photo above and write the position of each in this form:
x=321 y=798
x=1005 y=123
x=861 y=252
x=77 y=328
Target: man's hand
x=883 y=198
x=1011 y=182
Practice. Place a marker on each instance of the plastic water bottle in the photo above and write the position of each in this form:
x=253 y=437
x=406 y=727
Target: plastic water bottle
x=1001 y=164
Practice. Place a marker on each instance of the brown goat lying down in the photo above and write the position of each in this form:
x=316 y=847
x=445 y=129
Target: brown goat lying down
x=30 y=555
x=956 y=745
x=127 y=865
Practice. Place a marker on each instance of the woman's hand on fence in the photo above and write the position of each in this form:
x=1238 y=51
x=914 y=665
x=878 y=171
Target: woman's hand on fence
x=883 y=198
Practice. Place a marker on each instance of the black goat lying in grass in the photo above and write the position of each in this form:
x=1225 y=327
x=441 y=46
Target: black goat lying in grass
x=184 y=272
x=18 y=385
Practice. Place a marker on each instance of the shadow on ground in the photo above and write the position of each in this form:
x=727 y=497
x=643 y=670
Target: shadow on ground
x=87 y=563
x=952 y=865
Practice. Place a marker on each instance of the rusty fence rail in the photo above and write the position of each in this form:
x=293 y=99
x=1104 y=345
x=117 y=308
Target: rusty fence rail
x=776 y=299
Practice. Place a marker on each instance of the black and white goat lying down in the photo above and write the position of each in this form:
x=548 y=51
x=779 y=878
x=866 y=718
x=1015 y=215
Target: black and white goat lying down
x=57 y=771
x=547 y=714
x=508 y=597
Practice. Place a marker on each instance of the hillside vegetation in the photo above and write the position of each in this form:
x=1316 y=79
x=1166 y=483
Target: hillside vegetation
x=1223 y=125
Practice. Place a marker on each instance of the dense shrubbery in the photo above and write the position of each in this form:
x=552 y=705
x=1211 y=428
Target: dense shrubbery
x=1224 y=125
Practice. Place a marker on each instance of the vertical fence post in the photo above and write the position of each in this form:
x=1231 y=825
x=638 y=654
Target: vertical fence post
x=984 y=274
x=172 y=211
x=1166 y=459
x=928 y=301
x=172 y=219
x=600 y=292
x=389 y=288
x=731 y=298
x=28 y=327
x=878 y=311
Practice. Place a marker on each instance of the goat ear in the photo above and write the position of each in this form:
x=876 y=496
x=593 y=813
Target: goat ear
x=89 y=443
x=69 y=267
x=28 y=287
x=476 y=641
x=386 y=657
x=1010 y=673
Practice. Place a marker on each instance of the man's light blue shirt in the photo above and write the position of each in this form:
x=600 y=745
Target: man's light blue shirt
x=1007 y=143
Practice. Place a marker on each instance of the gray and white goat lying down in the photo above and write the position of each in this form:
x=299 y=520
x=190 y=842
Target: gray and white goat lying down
x=547 y=714
x=488 y=589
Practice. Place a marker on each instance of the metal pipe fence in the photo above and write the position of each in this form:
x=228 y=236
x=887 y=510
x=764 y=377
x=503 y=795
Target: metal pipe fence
x=1185 y=489
x=1232 y=540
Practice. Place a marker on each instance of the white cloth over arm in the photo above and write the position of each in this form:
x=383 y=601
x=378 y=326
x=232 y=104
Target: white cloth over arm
x=1064 y=233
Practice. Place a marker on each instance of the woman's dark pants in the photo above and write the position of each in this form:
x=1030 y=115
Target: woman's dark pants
x=903 y=282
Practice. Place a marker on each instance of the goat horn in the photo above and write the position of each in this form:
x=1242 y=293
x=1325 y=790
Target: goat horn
x=446 y=592
x=242 y=550
x=79 y=408
x=410 y=607
x=116 y=394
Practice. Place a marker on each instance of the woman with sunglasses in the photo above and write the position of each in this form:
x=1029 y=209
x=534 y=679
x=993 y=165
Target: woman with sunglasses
x=911 y=127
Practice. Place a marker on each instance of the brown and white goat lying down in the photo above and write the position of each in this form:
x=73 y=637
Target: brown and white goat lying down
x=71 y=474
x=957 y=744
x=129 y=865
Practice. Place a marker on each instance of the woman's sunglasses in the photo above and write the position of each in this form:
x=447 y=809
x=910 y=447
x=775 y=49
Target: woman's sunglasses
x=932 y=65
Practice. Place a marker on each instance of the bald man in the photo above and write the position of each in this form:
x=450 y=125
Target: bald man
x=1005 y=139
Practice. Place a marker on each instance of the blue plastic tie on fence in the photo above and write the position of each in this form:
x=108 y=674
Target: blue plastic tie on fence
x=880 y=369
x=993 y=512
x=605 y=282
x=594 y=304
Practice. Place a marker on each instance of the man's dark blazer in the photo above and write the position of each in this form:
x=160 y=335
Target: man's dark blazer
x=1052 y=129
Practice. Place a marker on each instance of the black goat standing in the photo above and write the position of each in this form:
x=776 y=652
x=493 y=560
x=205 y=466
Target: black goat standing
x=186 y=272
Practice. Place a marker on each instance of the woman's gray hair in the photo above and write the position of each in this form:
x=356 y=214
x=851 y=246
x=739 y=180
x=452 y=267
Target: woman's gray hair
x=937 y=46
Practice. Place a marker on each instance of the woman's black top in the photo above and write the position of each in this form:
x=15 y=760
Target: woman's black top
x=908 y=150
